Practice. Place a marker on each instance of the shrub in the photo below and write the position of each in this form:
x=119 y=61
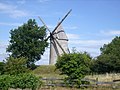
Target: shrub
x=14 y=66
x=75 y=66
x=20 y=81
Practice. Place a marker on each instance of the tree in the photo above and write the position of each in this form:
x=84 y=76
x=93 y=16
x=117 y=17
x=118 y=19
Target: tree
x=15 y=66
x=2 y=64
x=101 y=65
x=28 y=41
x=74 y=65
x=109 y=60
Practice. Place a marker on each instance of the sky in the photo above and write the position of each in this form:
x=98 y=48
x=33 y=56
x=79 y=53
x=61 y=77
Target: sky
x=90 y=25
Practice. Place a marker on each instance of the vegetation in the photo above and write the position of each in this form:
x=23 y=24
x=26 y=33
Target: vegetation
x=19 y=81
x=15 y=66
x=28 y=41
x=48 y=71
x=2 y=64
x=16 y=75
x=26 y=46
x=75 y=66
x=109 y=60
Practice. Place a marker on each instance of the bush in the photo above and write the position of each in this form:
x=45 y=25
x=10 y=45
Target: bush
x=19 y=81
x=75 y=66
x=14 y=66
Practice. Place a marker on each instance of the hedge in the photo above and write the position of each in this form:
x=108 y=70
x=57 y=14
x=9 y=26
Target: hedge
x=21 y=81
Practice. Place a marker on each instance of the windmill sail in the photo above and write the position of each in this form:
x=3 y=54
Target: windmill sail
x=58 y=44
x=58 y=41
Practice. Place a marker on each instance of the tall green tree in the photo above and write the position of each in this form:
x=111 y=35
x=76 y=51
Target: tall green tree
x=109 y=60
x=28 y=41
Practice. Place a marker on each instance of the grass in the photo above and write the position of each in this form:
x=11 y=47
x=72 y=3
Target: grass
x=49 y=71
x=64 y=88
x=105 y=77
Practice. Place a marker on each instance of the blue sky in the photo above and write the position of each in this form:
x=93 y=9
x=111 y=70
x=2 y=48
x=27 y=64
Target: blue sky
x=90 y=25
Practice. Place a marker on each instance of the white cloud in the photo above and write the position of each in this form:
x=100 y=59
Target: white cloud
x=3 y=47
x=89 y=42
x=9 y=24
x=42 y=1
x=92 y=51
x=44 y=59
x=115 y=32
x=3 y=44
x=111 y=32
x=71 y=27
x=21 y=1
x=51 y=27
x=73 y=36
x=90 y=46
x=3 y=53
x=3 y=56
x=12 y=11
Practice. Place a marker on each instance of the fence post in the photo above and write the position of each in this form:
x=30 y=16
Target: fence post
x=97 y=82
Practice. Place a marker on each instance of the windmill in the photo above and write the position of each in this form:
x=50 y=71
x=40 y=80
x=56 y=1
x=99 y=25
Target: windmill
x=58 y=40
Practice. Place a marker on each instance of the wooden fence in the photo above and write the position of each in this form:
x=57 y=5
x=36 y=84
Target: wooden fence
x=52 y=82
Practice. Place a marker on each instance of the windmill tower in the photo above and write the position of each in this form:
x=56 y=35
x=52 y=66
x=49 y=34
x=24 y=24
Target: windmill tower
x=58 y=41
x=58 y=44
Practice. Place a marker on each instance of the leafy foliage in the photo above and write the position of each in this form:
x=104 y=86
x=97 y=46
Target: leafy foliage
x=101 y=65
x=28 y=41
x=2 y=64
x=15 y=66
x=19 y=81
x=109 y=60
x=74 y=65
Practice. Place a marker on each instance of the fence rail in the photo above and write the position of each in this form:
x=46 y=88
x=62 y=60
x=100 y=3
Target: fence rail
x=60 y=82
